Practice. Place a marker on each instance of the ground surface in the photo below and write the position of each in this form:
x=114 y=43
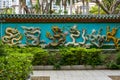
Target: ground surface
x=78 y=74
x=115 y=77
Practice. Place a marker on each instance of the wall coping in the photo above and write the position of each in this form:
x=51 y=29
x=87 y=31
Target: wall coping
x=58 y=18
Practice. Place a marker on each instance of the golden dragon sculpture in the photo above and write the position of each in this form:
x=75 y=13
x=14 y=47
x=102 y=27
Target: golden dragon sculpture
x=111 y=36
x=12 y=36
x=58 y=37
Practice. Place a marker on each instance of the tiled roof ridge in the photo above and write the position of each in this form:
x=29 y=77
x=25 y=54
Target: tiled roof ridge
x=115 y=16
x=59 y=18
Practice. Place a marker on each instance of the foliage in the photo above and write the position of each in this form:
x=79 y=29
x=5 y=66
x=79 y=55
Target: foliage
x=8 y=11
x=118 y=9
x=21 y=50
x=63 y=56
x=81 y=56
x=57 y=66
x=113 y=61
x=118 y=59
x=37 y=7
x=15 y=66
x=109 y=6
x=68 y=56
x=94 y=10
x=113 y=65
x=15 y=63
x=2 y=50
x=65 y=12
x=40 y=57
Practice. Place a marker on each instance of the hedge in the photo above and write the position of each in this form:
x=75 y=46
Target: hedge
x=15 y=67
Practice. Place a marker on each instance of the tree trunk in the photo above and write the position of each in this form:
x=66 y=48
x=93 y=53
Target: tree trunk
x=20 y=7
x=71 y=7
x=50 y=6
x=46 y=10
x=31 y=7
x=39 y=6
x=65 y=4
x=87 y=6
x=83 y=1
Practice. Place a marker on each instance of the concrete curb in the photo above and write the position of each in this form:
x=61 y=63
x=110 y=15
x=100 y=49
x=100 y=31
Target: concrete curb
x=69 y=67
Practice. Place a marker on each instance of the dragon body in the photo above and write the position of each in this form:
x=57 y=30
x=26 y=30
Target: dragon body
x=32 y=35
x=97 y=39
x=12 y=36
x=74 y=33
x=58 y=37
x=111 y=36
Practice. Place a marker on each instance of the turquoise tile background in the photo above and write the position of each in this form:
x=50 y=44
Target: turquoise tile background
x=46 y=27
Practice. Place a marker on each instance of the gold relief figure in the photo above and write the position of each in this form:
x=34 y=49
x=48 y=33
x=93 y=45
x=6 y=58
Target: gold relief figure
x=58 y=38
x=12 y=36
x=111 y=36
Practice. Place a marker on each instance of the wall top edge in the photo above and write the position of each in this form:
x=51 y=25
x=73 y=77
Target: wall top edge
x=58 y=18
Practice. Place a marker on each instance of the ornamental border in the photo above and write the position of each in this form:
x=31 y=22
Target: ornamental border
x=58 y=18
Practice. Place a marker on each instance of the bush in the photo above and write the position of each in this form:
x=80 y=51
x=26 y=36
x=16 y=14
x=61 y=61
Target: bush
x=54 y=58
x=2 y=50
x=93 y=57
x=112 y=65
x=65 y=56
x=40 y=57
x=15 y=67
x=113 y=61
x=118 y=59
x=81 y=56
x=68 y=56
x=20 y=50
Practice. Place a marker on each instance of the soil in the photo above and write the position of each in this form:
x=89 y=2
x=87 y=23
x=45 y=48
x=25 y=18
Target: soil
x=40 y=78
x=115 y=77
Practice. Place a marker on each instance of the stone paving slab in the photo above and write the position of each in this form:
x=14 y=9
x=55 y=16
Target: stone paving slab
x=78 y=74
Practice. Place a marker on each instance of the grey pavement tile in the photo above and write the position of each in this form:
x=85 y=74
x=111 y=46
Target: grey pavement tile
x=77 y=74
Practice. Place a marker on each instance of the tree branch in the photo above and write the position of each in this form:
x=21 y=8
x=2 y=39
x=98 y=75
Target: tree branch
x=101 y=5
x=112 y=7
x=116 y=5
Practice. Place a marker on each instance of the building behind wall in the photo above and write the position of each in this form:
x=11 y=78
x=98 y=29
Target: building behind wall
x=77 y=8
x=14 y=4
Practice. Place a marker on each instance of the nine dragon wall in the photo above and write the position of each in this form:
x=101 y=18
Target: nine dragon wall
x=46 y=27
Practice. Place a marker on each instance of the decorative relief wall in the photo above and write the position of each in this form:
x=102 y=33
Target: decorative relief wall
x=61 y=34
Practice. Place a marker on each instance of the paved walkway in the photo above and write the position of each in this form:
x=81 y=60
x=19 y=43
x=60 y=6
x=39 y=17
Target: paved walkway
x=78 y=74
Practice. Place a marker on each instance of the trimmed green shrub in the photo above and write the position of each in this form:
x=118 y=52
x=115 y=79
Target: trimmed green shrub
x=81 y=56
x=113 y=61
x=54 y=58
x=67 y=56
x=93 y=57
x=112 y=65
x=40 y=57
x=118 y=59
x=15 y=66
x=2 y=50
